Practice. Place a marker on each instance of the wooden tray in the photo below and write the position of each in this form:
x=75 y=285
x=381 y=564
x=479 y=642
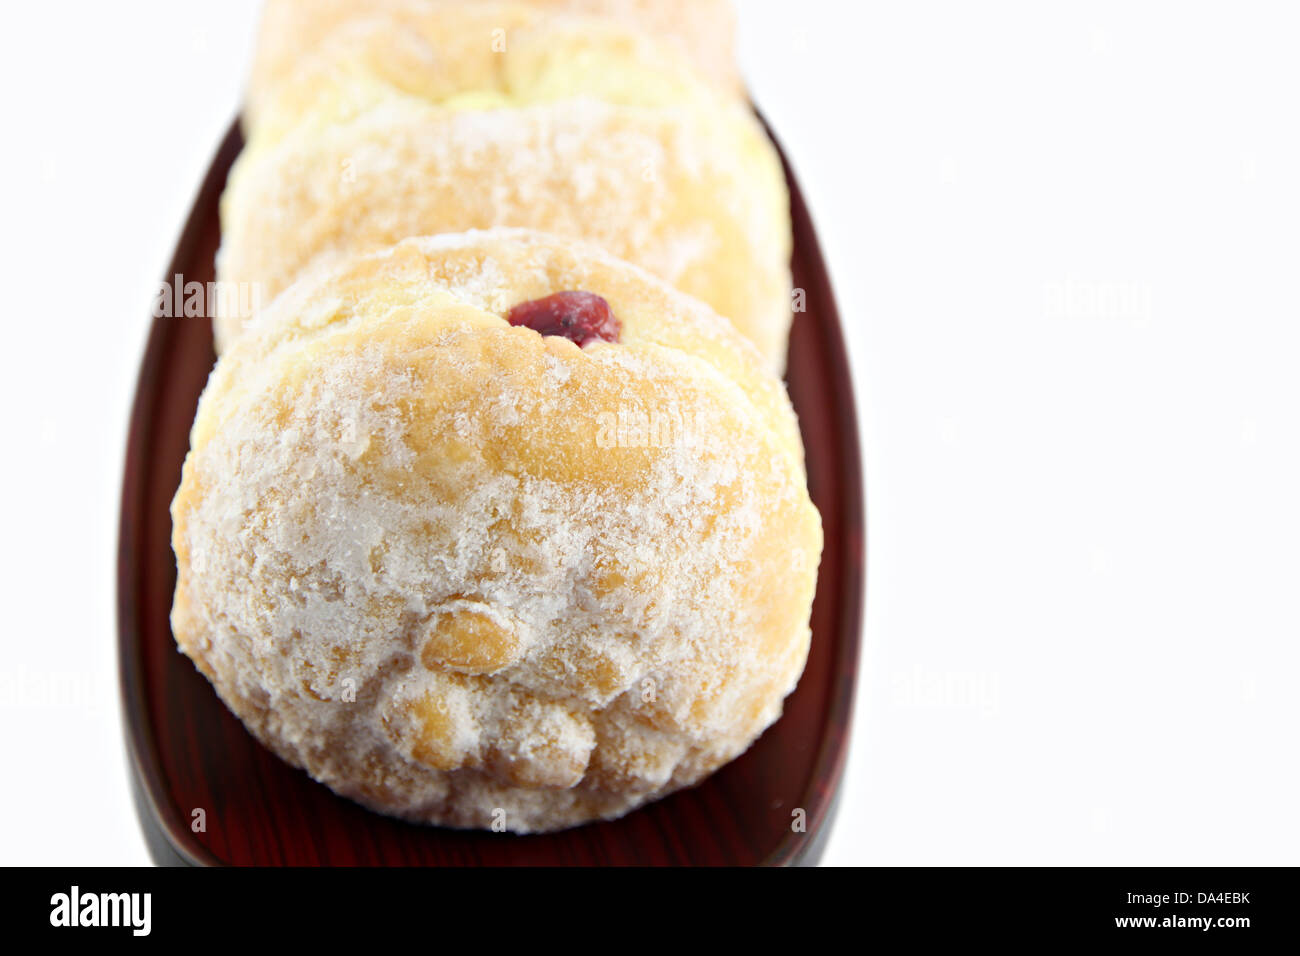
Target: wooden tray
x=189 y=752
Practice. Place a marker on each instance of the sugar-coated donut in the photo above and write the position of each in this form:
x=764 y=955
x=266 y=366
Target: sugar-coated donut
x=368 y=124
x=693 y=192
x=441 y=47
x=469 y=574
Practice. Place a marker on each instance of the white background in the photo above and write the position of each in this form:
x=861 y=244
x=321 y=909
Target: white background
x=1065 y=239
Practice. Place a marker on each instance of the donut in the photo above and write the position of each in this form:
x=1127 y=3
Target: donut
x=496 y=530
x=407 y=120
x=441 y=47
x=694 y=195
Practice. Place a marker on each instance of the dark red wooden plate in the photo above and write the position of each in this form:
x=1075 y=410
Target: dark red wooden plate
x=189 y=753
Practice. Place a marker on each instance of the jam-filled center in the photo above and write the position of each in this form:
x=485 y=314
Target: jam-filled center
x=580 y=317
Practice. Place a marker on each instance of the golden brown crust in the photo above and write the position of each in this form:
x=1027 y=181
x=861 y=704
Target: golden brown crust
x=455 y=568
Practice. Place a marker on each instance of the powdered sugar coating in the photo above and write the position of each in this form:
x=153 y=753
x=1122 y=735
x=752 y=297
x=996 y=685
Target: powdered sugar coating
x=440 y=48
x=694 y=195
x=452 y=567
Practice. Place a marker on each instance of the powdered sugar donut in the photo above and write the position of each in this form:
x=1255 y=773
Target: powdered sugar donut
x=595 y=119
x=694 y=193
x=438 y=48
x=468 y=573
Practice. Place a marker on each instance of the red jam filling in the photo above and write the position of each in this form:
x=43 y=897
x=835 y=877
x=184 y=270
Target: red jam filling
x=580 y=317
